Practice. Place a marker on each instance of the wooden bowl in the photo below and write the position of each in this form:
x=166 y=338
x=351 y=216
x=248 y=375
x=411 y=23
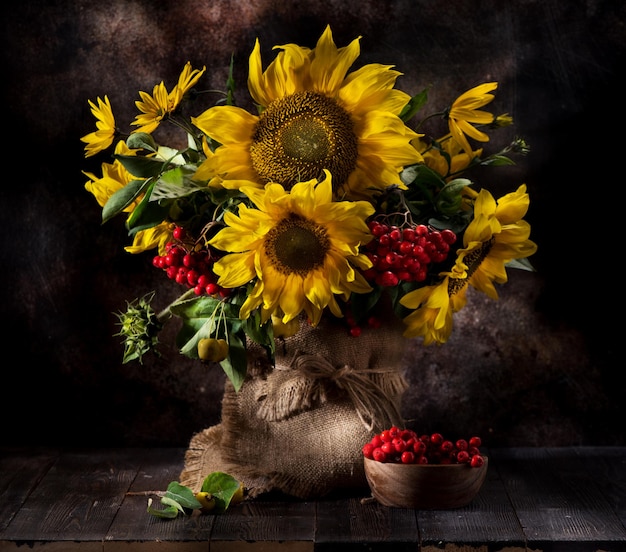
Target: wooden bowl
x=424 y=486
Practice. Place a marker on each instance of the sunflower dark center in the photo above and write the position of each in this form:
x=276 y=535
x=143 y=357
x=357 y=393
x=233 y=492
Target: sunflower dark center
x=472 y=260
x=298 y=136
x=296 y=245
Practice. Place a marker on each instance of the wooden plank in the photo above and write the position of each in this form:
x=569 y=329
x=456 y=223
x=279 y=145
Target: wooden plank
x=607 y=466
x=347 y=524
x=488 y=523
x=20 y=471
x=558 y=503
x=75 y=503
x=135 y=529
x=265 y=524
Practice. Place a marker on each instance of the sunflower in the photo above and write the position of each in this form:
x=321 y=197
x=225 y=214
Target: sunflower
x=313 y=116
x=465 y=110
x=102 y=138
x=154 y=108
x=299 y=246
x=496 y=236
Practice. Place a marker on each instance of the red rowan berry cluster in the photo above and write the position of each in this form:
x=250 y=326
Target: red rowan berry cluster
x=404 y=254
x=190 y=265
x=354 y=328
x=405 y=446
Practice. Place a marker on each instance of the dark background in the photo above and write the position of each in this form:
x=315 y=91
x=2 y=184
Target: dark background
x=538 y=367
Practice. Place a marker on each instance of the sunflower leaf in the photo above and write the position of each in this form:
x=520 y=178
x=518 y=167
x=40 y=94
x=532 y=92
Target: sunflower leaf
x=414 y=105
x=122 y=198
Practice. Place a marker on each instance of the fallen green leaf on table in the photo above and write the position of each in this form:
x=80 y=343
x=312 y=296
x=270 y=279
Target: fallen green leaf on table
x=219 y=490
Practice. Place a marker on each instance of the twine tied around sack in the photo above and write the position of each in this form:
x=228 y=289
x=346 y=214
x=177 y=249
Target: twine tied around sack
x=373 y=392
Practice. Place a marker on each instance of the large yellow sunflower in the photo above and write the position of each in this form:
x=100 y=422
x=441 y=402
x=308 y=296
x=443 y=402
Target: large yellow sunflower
x=299 y=246
x=313 y=116
x=496 y=236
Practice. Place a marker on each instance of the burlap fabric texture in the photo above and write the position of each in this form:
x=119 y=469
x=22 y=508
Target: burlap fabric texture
x=299 y=427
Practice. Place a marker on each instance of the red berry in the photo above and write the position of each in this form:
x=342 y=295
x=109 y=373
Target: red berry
x=475 y=442
x=368 y=449
x=379 y=455
x=462 y=457
x=376 y=441
x=477 y=461
x=436 y=439
x=399 y=444
x=407 y=457
x=385 y=436
x=388 y=448
x=461 y=444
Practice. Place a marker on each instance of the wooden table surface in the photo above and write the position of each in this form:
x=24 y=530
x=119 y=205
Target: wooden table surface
x=553 y=499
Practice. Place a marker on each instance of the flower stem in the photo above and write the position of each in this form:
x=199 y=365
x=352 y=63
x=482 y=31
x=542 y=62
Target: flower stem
x=166 y=313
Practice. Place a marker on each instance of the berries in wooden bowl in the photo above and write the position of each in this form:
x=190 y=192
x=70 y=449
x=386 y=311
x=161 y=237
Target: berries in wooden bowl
x=428 y=472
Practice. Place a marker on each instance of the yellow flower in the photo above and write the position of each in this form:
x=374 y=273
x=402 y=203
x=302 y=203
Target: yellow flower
x=114 y=177
x=154 y=108
x=313 y=116
x=452 y=163
x=102 y=138
x=299 y=245
x=465 y=110
x=496 y=236
x=156 y=237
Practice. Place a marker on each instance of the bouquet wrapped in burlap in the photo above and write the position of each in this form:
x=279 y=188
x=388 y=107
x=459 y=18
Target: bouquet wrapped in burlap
x=298 y=427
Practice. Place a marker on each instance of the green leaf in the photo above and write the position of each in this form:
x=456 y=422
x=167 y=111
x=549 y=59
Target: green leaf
x=178 y=498
x=182 y=495
x=141 y=167
x=222 y=487
x=147 y=213
x=169 y=513
x=230 y=83
x=522 y=264
x=497 y=161
x=176 y=183
x=414 y=105
x=141 y=140
x=235 y=366
x=123 y=198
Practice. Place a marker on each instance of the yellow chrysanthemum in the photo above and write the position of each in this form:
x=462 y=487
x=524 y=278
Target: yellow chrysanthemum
x=496 y=236
x=114 y=177
x=154 y=108
x=156 y=237
x=102 y=138
x=300 y=246
x=465 y=110
x=313 y=116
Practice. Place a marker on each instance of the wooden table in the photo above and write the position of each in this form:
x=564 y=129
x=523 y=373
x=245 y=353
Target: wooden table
x=552 y=499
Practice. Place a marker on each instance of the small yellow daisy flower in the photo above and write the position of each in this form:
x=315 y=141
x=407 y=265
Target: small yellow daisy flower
x=102 y=138
x=465 y=110
x=154 y=108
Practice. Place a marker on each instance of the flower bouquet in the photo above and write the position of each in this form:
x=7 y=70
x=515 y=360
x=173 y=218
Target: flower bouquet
x=333 y=203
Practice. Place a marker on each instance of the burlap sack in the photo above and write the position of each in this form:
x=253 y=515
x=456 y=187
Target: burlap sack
x=299 y=427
